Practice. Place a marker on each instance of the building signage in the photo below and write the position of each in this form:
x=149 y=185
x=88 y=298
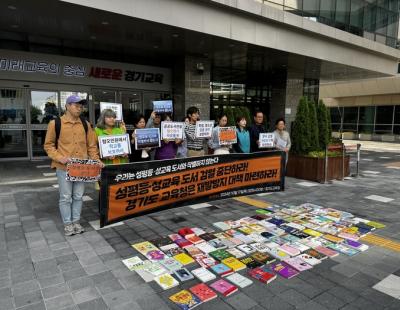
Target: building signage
x=44 y=68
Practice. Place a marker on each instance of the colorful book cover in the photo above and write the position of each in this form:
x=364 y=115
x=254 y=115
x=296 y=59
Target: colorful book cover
x=144 y=247
x=156 y=269
x=263 y=258
x=155 y=255
x=375 y=224
x=203 y=292
x=198 y=231
x=278 y=254
x=239 y=280
x=262 y=275
x=160 y=242
x=256 y=237
x=250 y=262
x=228 y=243
x=277 y=222
x=205 y=247
x=166 y=281
x=172 y=251
x=235 y=241
x=185 y=231
x=343 y=249
x=183 y=274
x=233 y=263
x=224 y=287
x=221 y=269
x=236 y=253
x=183 y=243
x=356 y=245
x=185 y=300
x=246 y=248
x=220 y=254
x=312 y=233
x=217 y=244
x=246 y=230
x=203 y=274
x=206 y=261
x=300 y=234
x=193 y=251
x=174 y=237
x=184 y=259
x=208 y=236
x=260 y=217
x=194 y=239
x=326 y=251
x=133 y=263
x=316 y=254
x=171 y=264
x=260 y=247
x=263 y=211
x=267 y=234
x=297 y=263
x=221 y=225
x=333 y=238
x=256 y=227
x=301 y=247
x=289 y=250
x=284 y=270
x=345 y=235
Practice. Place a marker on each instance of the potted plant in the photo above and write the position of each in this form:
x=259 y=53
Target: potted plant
x=311 y=137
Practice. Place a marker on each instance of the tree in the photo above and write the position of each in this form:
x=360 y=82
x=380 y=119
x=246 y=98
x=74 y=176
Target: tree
x=323 y=125
x=314 y=132
x=300 y=130
x=329 y=123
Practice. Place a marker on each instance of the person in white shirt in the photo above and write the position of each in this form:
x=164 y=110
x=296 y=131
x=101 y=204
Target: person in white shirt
x=282 y=137
x=213 y=143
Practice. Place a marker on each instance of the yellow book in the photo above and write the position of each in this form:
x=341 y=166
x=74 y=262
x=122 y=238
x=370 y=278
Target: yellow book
x=312 y=232
x=256 y=227
x=233 y=263
x=376 y=224
x=184 y=259
x=333 y=238
x=245 y=229
x=144 y=247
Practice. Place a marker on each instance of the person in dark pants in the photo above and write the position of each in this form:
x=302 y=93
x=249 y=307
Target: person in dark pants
x=255 y=130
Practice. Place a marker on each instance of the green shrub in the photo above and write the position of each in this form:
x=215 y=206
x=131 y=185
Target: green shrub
x=314 y=132
x=301 y=129
x=323 y=124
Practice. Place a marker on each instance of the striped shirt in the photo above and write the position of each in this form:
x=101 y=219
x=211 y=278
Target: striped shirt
x=193 y=143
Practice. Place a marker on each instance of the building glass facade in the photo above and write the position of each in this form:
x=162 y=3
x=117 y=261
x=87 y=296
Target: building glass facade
x=376 y=20
x=367 y=119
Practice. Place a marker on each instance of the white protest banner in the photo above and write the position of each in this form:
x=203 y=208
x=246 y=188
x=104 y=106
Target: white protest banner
x=227 y=135
x=266 y=140
x=162 y=106
x=116 y=107
x=172 y=130
x=204 y=129
x=114 y=145
x=147 y=138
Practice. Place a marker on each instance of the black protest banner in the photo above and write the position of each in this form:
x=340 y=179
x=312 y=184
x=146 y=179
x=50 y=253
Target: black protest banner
x=135 y=189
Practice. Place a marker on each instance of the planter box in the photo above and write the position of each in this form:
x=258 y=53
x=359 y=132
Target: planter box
x=365 y=136
x=312 y=169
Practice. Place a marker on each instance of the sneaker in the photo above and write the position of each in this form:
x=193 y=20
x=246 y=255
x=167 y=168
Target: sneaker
x=78 y=229
x=69 y=230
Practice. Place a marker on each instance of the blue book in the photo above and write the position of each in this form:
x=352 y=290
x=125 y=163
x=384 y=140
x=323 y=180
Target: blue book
x=221 y=270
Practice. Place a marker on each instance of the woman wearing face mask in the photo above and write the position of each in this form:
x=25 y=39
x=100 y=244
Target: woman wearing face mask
x=168 y=148
x=106 y=125
x=243 y=136
x=282 y=137
x=213 y=143
x=137 y=155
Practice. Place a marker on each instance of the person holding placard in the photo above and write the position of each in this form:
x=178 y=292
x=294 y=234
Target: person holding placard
x=214 y=142
x=106 y=125
x=255 y=130
x=194 y=144
x=282 y=138
x=182 y=148
x=154 y=121
x=68 y=138
x=243 y=136
x=137 y=155
x=168 y=148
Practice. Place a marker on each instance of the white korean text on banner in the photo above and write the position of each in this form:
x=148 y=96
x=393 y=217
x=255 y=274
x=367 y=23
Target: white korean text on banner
x=172 y=130
x=266 y=140
x=204 y=129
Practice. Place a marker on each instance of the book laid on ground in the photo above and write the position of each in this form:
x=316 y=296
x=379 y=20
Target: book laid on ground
x=193 y=251
x=356 y=245
x=221 y=225
x=316 y=254
x=194 y=238
x=250 y=262
x=343 y=249
x=203 y=292
x=155 y=255
x=333 y=238
x=326 y=251
x=289 y=250
x=234 y=263
x=312 y=232
x=278 y=254
x=205 y=247
x=185 y=300
x=150 y=271
x=172 y=250
x=236 y=252
x=263 y=258
x=183 y=243
x=284 y=270
x=375 y=224
x=160 y=242
x=203 y=274
x=261 y=274
x=221 y=270
x=260 y=247
x=185 y=231
x=208 y=236
x=183 y=274
x=206 y=261
x=346 y=235
x=297 y=263
x=198 y=231
x=144 y=247
x=184 y=259
x=166 y=281
x=246 y=248
x=301 y=247
x=220 y=254
x=217 y=244
x=133 y=263
x=171 y=264
x=309 y=259
x=224 y=287
x=239 y=280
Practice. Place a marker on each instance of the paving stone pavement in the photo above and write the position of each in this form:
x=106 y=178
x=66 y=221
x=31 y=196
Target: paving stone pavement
x=42 y=269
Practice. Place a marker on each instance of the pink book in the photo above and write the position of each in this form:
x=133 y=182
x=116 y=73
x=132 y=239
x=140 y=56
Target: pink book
x=351 y=237
x=326 y=251
x=224 y=287
x=289 y=250
x=297 y=263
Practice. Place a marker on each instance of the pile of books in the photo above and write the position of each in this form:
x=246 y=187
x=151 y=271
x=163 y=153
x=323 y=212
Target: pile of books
x=280 y=240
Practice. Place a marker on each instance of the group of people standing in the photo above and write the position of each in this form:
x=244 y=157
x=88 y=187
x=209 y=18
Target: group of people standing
x=73 y=137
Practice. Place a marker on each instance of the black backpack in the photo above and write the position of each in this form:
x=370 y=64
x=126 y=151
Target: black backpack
x=57 y=123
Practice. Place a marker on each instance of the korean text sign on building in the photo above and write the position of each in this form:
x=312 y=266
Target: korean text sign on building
x=172 y=130
x=114 y=145
x=135 y=189
x=204 y=129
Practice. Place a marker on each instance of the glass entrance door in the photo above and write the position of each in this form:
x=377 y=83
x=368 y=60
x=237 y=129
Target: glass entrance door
x=13 y=129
